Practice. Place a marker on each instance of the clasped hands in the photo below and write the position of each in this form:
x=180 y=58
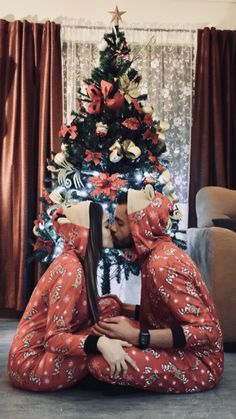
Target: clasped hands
x=116 y=333
x=117 y=328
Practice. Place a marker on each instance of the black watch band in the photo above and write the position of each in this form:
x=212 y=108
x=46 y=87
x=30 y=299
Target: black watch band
x=144 y=338
x=137 y=312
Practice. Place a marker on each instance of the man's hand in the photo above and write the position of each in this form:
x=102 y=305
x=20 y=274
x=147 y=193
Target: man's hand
x=117 y=328
x=114 y=354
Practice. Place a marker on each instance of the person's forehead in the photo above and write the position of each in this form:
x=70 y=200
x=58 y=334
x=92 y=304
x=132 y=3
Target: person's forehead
x=105 y=216
x=121 y=211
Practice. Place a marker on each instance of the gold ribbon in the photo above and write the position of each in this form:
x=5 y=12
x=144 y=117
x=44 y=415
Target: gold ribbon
x=126 y=149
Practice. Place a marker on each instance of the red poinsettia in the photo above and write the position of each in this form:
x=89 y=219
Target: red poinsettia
x=95 y=157
x=107 y=185
x=131 y=123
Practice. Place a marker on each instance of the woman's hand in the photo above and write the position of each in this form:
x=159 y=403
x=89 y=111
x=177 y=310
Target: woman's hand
x=114 y=296
x=114 y=354
x=117 y=328
x=127 y=310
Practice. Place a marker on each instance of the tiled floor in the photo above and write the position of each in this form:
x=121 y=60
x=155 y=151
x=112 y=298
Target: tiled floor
x=219 y=403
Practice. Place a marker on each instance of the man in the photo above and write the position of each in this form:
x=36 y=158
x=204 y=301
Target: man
x=177 y=345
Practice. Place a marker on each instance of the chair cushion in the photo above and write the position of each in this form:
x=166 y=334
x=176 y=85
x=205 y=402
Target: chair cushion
x=228 y=223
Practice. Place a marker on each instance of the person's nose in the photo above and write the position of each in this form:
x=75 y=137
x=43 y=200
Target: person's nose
x=113 y=227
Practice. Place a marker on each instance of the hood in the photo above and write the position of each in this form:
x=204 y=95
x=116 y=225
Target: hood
x=72 y=224
x=149 y=216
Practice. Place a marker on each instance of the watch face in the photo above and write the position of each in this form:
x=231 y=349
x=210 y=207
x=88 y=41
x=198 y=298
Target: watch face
x=144 y=339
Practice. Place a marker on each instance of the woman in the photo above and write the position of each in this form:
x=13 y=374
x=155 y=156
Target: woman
x=53 y=340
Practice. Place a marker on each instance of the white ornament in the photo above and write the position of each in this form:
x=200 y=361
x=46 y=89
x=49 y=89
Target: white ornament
x=59 y=159
x=147 y=108
x=64 y=147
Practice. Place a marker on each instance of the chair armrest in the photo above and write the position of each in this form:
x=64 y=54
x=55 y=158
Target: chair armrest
x=213 y=250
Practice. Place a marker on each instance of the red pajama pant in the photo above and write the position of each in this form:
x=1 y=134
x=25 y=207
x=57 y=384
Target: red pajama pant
x=162 y=371
x=43 y=370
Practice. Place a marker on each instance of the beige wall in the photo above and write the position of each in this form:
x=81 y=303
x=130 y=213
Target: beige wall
x=218 y=13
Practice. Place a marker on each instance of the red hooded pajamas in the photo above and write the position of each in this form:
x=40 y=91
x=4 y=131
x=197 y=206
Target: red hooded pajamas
x=47 y=352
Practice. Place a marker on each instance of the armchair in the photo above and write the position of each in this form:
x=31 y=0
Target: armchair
x=213 y=249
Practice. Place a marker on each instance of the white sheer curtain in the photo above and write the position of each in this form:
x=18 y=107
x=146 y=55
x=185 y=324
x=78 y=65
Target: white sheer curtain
x=165 y=57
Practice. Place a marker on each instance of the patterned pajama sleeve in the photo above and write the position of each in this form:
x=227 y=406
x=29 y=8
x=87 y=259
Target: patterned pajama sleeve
x=190 y=304
x=64 y=300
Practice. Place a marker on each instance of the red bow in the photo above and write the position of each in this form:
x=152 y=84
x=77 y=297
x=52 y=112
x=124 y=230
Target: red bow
x=95 y=157
x=95 y=94
x=71 y=130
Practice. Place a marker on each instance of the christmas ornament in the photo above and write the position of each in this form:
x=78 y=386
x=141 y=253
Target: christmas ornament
x=126 y=149
x=116 y=16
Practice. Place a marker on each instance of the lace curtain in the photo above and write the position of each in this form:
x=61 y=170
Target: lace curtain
x=166 y=60
x=165 y=57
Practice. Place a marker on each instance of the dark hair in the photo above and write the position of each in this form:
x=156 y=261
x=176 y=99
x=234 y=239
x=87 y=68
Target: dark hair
x=122 y=198
x=92 y=256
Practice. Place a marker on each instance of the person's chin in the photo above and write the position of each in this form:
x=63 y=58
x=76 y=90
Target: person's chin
x=118 y=245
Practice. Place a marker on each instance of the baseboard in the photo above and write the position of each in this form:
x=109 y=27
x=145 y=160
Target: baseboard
x=10 y=313
x=230 y=346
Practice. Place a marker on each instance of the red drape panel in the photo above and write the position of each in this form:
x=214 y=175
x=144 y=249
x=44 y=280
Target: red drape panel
x=213 y=147
x=30 y=118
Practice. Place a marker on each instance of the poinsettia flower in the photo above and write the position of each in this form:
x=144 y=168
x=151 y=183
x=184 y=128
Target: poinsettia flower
x=107 y=185
x=93 y=156
x=131 y=123
x=129 y=88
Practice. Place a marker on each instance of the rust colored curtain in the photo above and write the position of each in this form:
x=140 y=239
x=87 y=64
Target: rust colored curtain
x=30 y=117
x=213 y=148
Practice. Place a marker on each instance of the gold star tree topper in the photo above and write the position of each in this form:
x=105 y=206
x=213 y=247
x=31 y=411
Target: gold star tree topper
x=116 y=16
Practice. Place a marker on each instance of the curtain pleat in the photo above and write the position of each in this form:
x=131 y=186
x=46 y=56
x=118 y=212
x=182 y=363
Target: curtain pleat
x=30 y=117
x=213 y=147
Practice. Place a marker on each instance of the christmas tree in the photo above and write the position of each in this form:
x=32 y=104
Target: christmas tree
x=113 y=143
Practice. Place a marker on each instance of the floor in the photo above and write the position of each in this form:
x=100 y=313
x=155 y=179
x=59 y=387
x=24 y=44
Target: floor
x=81 y=403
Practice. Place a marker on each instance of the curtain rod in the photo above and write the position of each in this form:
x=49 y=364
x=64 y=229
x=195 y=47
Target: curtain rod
x=129 y=29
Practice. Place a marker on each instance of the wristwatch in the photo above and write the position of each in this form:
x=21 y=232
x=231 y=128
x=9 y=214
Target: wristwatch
x=144 y=338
